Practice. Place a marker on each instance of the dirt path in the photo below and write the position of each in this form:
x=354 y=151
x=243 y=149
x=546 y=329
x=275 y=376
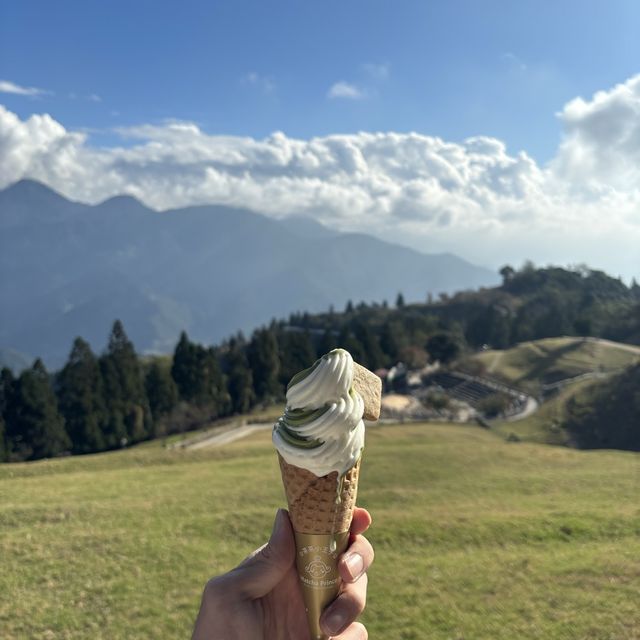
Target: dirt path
x=617 y=345
x=494 y=363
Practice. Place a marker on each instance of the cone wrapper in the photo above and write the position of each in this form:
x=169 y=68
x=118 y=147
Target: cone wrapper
x=321 y=510
x=317 y=565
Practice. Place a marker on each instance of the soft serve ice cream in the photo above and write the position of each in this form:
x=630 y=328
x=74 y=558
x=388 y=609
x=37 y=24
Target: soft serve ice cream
x=322 y=428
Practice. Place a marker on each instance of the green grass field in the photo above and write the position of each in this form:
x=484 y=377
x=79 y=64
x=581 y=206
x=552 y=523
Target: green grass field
x=475 y=538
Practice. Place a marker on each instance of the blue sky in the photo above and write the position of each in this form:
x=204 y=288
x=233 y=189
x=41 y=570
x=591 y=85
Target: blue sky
x=448 y=69
x=498 y=130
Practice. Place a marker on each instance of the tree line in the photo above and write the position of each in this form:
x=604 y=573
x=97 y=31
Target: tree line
x=97 y=403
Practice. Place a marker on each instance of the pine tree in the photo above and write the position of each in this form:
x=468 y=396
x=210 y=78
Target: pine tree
x=6 y=394
x=184 y=369
x=198 y=377
x=124 y=390
x=81 y=398
x=162 y=391
x=262 y=353
x=400 y=301
x=215 y=391
x=115 y=431
x=296 y=352
x=38 y=429
x=239 y=380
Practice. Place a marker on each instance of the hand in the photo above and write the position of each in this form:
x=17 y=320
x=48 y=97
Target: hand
x=261 y=598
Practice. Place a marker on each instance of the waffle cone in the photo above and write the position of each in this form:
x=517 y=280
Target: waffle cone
x=313 y=507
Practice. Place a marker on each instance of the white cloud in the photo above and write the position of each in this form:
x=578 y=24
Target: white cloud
x=474 y=197
x=600 y=150
x=377 y=71
x=346 y=90
x=264 y=83
x=11 y=87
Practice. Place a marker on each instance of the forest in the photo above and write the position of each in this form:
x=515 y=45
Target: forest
x=119 y=398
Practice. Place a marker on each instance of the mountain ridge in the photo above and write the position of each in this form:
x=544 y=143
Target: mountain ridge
x=209 y=269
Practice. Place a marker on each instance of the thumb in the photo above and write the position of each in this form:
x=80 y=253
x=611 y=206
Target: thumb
x=267 y=566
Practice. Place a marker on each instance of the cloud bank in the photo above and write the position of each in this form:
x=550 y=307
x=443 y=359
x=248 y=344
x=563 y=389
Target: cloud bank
x=6 y=86
x=473 y=198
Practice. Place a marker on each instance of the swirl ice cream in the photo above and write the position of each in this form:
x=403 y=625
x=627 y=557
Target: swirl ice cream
x=322 y=428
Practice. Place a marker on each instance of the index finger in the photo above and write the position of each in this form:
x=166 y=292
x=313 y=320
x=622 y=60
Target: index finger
x=361 y=521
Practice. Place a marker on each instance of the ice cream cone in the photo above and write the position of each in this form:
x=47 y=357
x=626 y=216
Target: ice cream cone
x=321 y=509
x=319 y=441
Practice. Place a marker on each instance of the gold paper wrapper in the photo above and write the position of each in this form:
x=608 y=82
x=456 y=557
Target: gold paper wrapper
x=317 y=564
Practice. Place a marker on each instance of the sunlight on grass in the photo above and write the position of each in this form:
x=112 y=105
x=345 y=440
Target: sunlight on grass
x=475 y=538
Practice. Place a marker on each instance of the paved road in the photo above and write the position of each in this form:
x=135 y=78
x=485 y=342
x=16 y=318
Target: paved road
x=232 y=435
x=530 y=407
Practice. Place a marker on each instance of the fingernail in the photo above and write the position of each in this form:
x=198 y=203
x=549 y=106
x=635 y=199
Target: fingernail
x=333 y=622
x=355 y=565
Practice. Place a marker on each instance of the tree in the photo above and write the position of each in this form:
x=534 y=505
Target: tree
x=239 y=380
x=400 y=301
x=327 y=343
x=4 y=449
x=129 y=415
x=184 y=369
x=162 y=391
x=443 y=347
x=606 y=414
x=7 y=382
x=347 y=340
x=80 y=392
x=296 y=352
x=262 y=353
x=196 y=372
x=372 y=356
x=507 y=272
x=37 y=430
x=389 y=343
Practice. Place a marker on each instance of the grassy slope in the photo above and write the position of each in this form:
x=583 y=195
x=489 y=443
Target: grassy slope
x=553 y=359
x=529 y=364
x=475 y=538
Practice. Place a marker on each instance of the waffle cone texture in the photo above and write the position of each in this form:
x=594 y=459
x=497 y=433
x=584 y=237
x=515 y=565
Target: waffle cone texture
x=312 y=499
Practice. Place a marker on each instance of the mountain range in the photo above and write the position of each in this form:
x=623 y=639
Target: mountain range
x=71 y=268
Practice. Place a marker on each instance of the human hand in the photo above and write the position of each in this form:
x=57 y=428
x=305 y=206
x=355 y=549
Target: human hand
x=261 y=598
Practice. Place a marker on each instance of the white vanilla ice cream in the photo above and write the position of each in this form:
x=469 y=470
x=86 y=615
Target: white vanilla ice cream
x=322 y=428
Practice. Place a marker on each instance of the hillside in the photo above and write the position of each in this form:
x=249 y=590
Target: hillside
x=536 y=364
x=606 y=415
x=474 y=537
x=559 y=371
x=209 y=270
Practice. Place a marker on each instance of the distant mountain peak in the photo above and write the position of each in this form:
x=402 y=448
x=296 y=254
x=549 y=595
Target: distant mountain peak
x=29 y=188
x=122 y=201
